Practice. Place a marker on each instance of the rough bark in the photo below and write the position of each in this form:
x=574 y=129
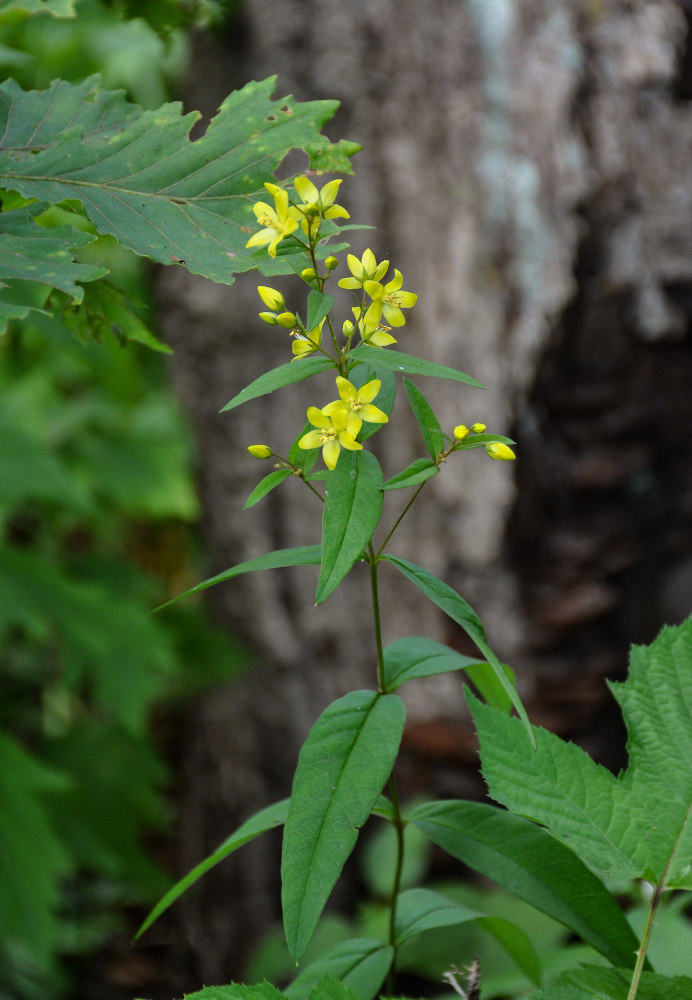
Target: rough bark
x=527 y=165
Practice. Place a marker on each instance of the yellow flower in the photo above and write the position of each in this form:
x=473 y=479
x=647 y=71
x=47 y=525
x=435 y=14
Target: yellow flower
x=272 y=299
x=306 y=343
x=376 y=333
x=389 y=299
x=365 y=269
x=357 y=403
x=330 y=435
x=277 y=222
x=499 y=451
x=319 y=202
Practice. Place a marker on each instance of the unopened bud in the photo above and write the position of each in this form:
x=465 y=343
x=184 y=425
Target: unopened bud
x=461 y=432
x=501 y=452
x=272 y=299
x=287 y=320
x=260 y=450
x=477 y=428
x=330 y=263
x=268 y=318
x=308 y=274
x=348 y=329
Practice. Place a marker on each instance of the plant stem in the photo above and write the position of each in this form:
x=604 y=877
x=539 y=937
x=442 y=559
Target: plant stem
x=372 y=559
x=396 y=885
x=646 y=936
x=400 y=518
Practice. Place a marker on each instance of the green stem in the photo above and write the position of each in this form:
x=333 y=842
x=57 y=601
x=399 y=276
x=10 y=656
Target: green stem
x=396 y=885
x=372 y=559
x=646 y=936
x=400 y=519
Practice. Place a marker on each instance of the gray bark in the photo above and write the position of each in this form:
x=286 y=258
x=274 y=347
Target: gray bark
x=527 y=165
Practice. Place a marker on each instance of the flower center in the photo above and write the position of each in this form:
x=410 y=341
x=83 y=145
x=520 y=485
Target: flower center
x=328 y=434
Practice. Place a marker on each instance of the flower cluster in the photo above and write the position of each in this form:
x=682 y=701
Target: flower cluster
x=338 y=423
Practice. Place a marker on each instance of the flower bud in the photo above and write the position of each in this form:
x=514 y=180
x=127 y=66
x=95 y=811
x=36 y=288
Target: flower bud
x=260 y=450
x=272 y=299
x=330 y=263
x=477 y=428
x=287 y=320
x=348 y=329
x=308 y=274
x=499 y=451
x=461 y=432
x=268 y=318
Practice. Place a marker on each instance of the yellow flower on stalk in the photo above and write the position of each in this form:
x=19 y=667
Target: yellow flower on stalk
x=389 y=299
x=357 y=403
x=376 y=334
x=306 y=343
x=277 y=222
x=319 y=202
x=330 y=435
x=365 y=269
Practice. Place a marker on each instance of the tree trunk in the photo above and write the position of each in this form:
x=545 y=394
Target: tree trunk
x=527 y=166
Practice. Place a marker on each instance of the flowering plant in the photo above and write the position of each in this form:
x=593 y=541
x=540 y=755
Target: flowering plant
x=585 y=824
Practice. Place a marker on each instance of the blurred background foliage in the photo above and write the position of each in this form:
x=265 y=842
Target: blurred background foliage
x=97 y=515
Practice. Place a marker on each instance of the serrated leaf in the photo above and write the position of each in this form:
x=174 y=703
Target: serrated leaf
x=352 y=511
x=277 y=378
x=33 y=253
x=447 y=599
x=342 y=767
x=332 y=989
x=636 y=825
x=105 y=309
x=591 y=982
x=236 y=991
x=261 y=822
x=419 y=910
x=319 y=305
x=141 y=179
x=528 y=862
x=301 y=555
x=397 y=361
x=360 y=964
x=425 y=418
x=414 y=656
x=266 y=485
x=417 y=472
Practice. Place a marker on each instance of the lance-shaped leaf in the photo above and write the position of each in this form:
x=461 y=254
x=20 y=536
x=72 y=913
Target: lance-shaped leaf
x=343 y=765
x=277 y=378
x=361 y=964
x=426 y=419
x=266 y=485
x=301 y=555
x=265 y=819
x=419 y=910
x=319 y=305
x=637 y=825
x=141 y=179
x=413 y=475
x=528 y=862
x=447 y=599
x=397 y=361
x=352 y=511
x=414 y=656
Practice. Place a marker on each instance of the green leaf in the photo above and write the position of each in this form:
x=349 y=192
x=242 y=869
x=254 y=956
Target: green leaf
x=265 y=819
x=15 y=10
x=414 y=656
x=528 y=862
x=30 y=470
x=360 y=964
x=463 y=614
x=331 y=989
x=277 y=378
x=236 y=991
x=397 y=361
x=426 y=419
x=343 y=765
x=319 y=305
x=613 y=984
x=141 y=179
x=636 y=825
x=486 y=682
x=419 y=910
x=516 y=943
x=352 y=511
x=266 y=485
x=301 y=555
x=105 y=309
x=33 y=253
x=417 y=472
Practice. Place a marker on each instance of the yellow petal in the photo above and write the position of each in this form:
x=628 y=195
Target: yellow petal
x=306 y=189
x=313 y=439
x=330 y=453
